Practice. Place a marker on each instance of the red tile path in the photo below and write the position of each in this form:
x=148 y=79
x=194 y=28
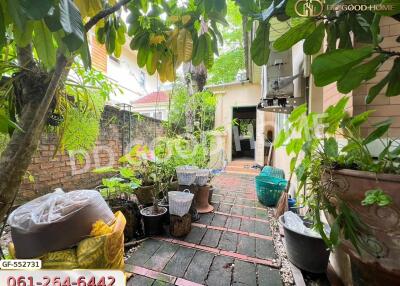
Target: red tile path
x=231 y=246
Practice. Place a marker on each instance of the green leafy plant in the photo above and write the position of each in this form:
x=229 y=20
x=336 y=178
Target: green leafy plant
x=203 y=105
x=315 y=138
x=121 y=185
x=377 y=197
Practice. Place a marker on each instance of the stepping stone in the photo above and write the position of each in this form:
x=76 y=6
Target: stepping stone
x=211 y=238
x=144 y=252
x=262 y=228
x=237 y=210
x=228 y=241
x=206 y=218
x=246 y=245
x=219 y=220
x=217 y=199
x=244 y=273
x=261 y=214
x=225 y=208
x=179 y=262
x=268 y=276
x=250 y=212
x=158 y=261
x=161 y=283
x=264 y=249
x=259 y=205
x=247 y=225
x=195 y=235
x=233 y=223
x=247 y=202
x=220 y=272
x=198 y=269
x=138 y=280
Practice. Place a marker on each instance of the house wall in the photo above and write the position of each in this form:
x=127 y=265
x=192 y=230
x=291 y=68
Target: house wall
x=134 y=81
x=149 y=109
x=295 y=66
x=384 y=106
x=322 y=98
x=237 y=95
x=52 y=169
x=99 y=55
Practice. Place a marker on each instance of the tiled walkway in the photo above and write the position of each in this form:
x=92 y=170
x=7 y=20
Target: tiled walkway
x=231 y=246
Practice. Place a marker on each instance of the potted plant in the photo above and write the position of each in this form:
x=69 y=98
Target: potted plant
x=142 y=161
x=357 y=189
x=147 y=169
x=118 y=191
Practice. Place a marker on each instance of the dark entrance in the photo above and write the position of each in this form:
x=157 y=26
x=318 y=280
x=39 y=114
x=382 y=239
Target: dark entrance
x=244 y=132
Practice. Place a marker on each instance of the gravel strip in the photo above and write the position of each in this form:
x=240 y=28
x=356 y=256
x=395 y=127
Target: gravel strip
x=280 y=250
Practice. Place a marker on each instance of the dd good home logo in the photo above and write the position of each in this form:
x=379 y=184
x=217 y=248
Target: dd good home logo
x=309 y=8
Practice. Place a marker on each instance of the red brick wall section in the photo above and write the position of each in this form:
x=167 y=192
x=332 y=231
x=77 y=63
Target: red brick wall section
x=384 y=106
x=99 y=55
x=57 y=171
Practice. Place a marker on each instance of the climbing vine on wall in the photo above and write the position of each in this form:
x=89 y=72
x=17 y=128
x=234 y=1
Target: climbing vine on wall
x=82 y=105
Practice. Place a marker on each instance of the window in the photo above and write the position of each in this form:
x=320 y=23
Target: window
x=280 y=122
x=159 y=115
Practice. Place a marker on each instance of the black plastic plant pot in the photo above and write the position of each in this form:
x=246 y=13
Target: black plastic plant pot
x=308 y=253
x=153 y=222
x=164 y=204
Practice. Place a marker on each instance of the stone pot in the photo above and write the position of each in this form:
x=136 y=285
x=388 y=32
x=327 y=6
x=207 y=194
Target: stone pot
x=144 y=195
x=380 y=252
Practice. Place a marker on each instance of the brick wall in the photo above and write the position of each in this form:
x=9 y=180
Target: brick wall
x=384 y=106
x=60 y=170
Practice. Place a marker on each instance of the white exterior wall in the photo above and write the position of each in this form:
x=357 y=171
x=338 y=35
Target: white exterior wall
x=237 y=95
x=127 y=74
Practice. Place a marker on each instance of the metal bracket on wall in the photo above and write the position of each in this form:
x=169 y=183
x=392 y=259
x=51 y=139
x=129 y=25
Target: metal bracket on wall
x=280 y=104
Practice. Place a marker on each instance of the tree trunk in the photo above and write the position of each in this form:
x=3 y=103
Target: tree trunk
x=189 y=112
x=18 y=154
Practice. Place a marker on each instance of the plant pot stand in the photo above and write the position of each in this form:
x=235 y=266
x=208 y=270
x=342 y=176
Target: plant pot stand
x=180 y=226
x=153 y=223
x=193 y=189
x=202 y=204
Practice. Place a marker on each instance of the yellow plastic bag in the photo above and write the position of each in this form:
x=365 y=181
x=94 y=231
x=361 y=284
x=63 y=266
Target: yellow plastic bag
x=104 y=250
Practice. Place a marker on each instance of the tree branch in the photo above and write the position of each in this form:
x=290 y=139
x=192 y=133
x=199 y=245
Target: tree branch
x=102 y=14
x=25 y=57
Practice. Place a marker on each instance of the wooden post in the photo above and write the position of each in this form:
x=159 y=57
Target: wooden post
x=180 y=226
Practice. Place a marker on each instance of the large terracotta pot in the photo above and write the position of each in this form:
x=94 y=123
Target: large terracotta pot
x=201 y=200
x=380 y=250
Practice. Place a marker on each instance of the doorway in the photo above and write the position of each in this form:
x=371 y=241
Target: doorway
x=244 y=132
